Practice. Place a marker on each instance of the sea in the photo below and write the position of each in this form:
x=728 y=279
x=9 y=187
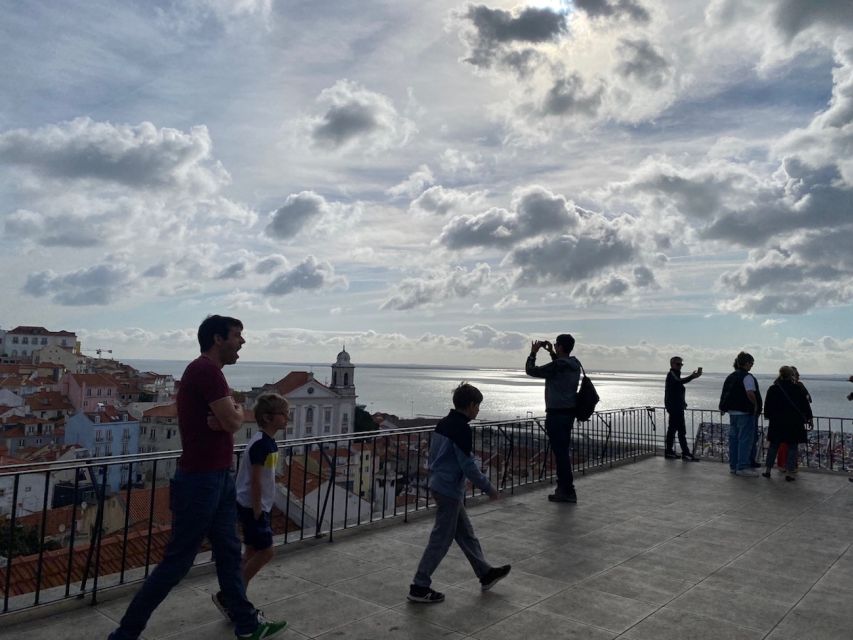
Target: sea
x=415 y=390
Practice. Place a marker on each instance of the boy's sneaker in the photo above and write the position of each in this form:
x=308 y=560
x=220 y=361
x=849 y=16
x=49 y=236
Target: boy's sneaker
x=264 y=630
x=219 y=601
x=495 y=575
x=671 y=455
x=563 y=496
x=424 y=594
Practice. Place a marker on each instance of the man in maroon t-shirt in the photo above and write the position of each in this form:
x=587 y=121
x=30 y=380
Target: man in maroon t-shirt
x=202 y=494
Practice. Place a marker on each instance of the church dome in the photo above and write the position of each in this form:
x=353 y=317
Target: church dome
x=343 y=357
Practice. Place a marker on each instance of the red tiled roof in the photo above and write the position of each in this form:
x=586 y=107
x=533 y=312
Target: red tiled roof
x=292 y=381
x=48 y=401
x=94 y=379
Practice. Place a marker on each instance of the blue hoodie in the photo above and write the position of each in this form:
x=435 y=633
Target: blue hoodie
x=451 y=458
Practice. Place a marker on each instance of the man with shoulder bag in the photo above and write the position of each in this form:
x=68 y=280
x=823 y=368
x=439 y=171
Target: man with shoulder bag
x=741 y=399
x=561 y=376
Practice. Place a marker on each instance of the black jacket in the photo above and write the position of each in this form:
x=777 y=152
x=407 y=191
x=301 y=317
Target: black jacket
x=674 y=392
x=787 y=409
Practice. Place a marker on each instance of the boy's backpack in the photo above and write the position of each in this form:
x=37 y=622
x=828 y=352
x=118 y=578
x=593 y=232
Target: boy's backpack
x=587 y=398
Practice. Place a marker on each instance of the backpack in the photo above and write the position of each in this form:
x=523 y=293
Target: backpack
x=587 y=398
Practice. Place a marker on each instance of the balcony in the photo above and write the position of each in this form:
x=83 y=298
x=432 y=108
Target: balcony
x=656 y=549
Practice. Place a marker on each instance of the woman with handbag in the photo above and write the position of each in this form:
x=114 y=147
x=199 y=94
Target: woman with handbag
x=788 y=411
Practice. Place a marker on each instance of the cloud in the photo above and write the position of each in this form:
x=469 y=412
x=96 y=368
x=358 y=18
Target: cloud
x=236 y=270
x=89 y=183
x=482 y=336
x=534 y=210
x=567 y=97
x=270 y=264
x=135 y=156
x=793 y=16
x=642 y=62
x=309 y=275
x=416 y=183
x=440 y=200
x=411 y=293
x=306 y=211
x=357 y=118
x=490 y=34
x=97 y=285
x=601 y=245
x=613 y=9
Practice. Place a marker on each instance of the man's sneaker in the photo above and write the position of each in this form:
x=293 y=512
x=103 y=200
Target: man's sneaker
x=672 y=455
x=219 y=601
x=789 y=478
x=749 y=473
x=424 y=594
x=689 y=457
x=766 y=474
x=264 y=630
x=495 y=575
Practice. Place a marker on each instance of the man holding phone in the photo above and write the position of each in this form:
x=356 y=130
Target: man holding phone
x=674 y=401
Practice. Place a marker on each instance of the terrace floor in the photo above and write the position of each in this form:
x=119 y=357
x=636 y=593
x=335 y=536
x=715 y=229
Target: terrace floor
x=654 y=550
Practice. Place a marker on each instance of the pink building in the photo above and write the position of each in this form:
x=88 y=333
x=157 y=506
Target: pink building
x=87 y=390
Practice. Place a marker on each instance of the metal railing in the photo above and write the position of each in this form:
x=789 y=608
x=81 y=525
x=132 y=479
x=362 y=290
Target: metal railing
x=72 y=529
x=829 y=446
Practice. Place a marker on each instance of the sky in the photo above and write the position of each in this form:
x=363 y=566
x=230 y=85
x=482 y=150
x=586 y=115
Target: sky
x=434 y=182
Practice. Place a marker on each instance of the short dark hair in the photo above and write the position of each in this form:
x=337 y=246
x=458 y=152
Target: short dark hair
x=465 y=395
x=215 y=326
x=675 y=359
x=743 y=359
x=567 y=341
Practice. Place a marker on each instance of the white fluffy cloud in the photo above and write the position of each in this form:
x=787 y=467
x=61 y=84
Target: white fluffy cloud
x=411 y=293
x=355 y=118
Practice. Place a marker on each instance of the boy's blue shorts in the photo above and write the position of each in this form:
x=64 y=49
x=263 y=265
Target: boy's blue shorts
x=256 y=533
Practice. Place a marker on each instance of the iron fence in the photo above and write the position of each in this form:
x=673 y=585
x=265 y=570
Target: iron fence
x=80 y=536
x=829 y=446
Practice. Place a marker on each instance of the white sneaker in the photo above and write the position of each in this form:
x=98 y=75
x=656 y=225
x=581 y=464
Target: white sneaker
x=751 y=473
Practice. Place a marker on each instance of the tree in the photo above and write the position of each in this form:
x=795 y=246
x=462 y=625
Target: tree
x=25 y=540
x=363 y=421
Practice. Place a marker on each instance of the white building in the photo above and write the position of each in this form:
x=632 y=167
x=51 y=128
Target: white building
x=22 y=341
x=315 y=409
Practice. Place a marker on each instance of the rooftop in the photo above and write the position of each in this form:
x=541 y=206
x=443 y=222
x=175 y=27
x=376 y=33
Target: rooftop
x=654 y=550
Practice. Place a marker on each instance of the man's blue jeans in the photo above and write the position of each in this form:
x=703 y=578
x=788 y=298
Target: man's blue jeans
x=741 y=439
x=204 y=504
x=558 y=426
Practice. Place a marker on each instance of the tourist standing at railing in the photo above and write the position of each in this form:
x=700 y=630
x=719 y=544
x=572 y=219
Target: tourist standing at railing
x=561 y=375
x=202 y=494
x=741 y=399
x=787 y=410
x=675 y=403
x=782 y=455
x=451 y=461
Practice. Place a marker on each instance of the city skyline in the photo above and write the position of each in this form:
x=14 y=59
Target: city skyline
x=433 y=183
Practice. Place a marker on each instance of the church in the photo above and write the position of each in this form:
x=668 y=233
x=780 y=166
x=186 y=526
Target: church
x=316 y=409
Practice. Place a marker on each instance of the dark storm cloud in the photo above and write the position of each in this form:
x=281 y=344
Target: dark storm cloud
x=613 y=9
x=340 y=124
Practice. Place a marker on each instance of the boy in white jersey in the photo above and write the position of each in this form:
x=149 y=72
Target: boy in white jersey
x=256 y=486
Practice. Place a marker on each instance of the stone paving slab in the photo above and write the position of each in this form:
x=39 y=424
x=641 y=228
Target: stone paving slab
x=654 y=550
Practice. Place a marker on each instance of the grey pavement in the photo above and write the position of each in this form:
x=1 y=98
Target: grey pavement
x=654 y=550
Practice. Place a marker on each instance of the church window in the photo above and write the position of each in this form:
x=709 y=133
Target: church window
x=309 y=414
x=346 y=379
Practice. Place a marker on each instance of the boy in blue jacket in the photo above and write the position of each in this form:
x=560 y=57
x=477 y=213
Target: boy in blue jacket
x=451 y=462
